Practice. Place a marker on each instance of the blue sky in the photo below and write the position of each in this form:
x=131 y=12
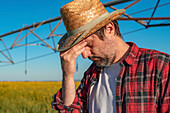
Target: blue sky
x=16 y=13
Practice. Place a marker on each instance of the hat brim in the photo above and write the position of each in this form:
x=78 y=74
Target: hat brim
x=67 y=42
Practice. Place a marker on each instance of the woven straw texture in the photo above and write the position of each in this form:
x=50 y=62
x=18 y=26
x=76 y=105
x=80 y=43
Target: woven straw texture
x=78 y=13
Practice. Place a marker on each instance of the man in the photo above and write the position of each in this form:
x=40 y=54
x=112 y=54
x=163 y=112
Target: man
x=122 y=78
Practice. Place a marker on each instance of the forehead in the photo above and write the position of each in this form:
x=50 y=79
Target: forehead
x=93 y=39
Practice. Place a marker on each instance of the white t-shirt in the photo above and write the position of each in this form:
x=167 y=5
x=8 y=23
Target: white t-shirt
x=103 y=94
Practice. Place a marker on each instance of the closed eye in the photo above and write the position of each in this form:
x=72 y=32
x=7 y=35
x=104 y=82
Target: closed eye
x=89 y=44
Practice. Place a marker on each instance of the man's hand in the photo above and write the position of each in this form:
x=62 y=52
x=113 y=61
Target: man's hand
x=68 y=58
x=68 y=61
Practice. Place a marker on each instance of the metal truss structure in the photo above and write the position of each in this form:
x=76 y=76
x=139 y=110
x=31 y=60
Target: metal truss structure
x=144 y=21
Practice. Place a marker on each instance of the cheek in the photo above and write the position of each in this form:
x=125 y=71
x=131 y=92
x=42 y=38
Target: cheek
x=97 y=51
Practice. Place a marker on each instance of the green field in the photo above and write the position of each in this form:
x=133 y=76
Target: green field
x=28 y=97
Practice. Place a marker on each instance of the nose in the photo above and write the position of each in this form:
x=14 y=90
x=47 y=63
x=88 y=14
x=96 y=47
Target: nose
x=86 y=53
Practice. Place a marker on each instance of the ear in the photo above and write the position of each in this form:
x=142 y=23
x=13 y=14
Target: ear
x=110 y=29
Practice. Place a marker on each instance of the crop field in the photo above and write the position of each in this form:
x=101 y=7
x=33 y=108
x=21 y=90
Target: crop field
x=28 y=97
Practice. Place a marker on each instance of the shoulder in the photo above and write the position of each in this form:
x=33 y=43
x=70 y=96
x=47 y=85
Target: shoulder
x=154 y=55
x=155 y=59
x=143 y=53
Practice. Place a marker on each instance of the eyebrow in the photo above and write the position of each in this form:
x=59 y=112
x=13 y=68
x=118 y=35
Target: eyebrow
x=89 y=43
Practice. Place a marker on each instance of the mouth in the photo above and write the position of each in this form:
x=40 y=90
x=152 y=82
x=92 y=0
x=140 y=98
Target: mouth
x=94 y=58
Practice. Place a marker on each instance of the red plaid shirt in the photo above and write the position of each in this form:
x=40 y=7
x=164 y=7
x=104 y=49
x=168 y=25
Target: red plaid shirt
x=142 y=85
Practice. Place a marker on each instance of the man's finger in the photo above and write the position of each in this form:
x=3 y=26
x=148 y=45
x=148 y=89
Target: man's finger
x=77 y=47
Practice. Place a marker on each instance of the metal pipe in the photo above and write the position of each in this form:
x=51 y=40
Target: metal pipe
x=158 y=25
x=31 y=26
x=59 y=17
x=139 y=21
x=145 y=18
x=115 y=2
x=154 y=11
x=132 y=4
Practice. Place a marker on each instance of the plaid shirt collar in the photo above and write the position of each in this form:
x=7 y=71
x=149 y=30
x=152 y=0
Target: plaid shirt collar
x=128 y=59
x=131 y=54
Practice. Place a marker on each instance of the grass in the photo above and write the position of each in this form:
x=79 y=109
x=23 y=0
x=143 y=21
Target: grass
x=28 y=97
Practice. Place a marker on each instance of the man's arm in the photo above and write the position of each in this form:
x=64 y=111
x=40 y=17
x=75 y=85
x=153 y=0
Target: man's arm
x=164 y=88
x=68 y=60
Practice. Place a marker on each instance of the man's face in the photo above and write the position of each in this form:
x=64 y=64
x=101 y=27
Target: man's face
x=102 y=52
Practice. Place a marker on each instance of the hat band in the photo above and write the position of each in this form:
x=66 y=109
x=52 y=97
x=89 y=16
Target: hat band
x=84 y=30
x=86 y=26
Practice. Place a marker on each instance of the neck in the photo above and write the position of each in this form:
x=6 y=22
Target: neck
x=121 y=49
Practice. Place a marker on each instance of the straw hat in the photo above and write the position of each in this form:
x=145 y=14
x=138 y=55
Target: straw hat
x=81 y=19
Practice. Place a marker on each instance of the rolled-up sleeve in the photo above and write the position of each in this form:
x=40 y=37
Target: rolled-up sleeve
x=57 y=104
x=80 y=103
